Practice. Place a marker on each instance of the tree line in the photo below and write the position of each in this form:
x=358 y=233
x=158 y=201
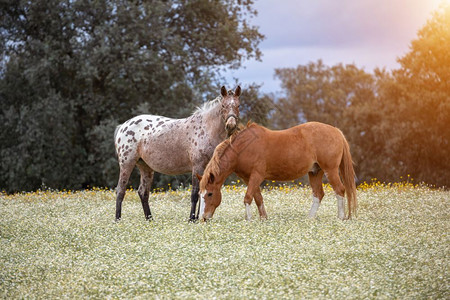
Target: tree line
x=398 y=122
x=71 y=70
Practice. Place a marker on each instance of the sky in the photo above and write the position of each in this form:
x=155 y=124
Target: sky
x=368 y=33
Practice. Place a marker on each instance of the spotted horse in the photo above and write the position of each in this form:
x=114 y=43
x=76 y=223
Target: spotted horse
x=173 y=146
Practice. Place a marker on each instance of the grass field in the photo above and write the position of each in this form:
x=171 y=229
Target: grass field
x=67 y=245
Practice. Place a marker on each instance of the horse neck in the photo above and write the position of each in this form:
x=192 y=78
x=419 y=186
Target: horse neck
x=227 y=163
x=213 y=123
x=240 y=145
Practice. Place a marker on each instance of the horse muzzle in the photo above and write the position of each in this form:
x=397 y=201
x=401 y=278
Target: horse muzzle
x=205 y=219
x=231 y=123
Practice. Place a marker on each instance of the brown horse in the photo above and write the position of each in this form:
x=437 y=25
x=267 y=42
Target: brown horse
x=173 y=146
x=257 y=153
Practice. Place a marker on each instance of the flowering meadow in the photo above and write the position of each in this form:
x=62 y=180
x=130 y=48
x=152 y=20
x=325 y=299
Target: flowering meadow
x=64 y=244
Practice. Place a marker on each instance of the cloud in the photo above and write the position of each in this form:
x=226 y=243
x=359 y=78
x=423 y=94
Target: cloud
x=369 y=33
x=291 y=57
x=344 y=22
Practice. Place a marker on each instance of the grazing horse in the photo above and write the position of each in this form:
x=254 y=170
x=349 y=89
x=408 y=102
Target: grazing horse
x=257 y=153
x=173 y=146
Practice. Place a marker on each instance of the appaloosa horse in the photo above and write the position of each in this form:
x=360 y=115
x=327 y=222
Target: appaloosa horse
x=173 y=146
x=257 y=153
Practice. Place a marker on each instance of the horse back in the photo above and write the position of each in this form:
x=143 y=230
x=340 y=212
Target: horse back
x=292 y=152
x=157 y=140
x=327 y=141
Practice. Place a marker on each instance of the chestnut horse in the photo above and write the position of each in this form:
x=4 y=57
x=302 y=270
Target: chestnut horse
x=257 y=153
x=173 y=146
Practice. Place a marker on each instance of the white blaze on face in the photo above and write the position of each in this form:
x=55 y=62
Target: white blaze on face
x=202 y=204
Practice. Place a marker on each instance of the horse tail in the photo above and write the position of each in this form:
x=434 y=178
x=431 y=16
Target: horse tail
x=348 y=176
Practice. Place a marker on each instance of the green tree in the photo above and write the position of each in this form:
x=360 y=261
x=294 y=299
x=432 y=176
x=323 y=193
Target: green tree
x=316 y=92
x=396 y=122
x=341 y=96
x=255 y=106
x=416 y=105
x=73 y=69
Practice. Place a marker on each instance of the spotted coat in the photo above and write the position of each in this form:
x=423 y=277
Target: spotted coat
x=173 y=146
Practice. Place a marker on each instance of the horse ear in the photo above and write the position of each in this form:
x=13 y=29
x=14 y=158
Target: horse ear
x=199 y=177
x=211 y=178
x=223 y=91
x=237 y=92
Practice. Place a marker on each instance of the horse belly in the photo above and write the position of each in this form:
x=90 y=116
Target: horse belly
x=287 y=171
x=288 y=164
x=166 y=151
x=167 y=160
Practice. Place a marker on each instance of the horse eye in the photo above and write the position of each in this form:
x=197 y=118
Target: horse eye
x=209 y=194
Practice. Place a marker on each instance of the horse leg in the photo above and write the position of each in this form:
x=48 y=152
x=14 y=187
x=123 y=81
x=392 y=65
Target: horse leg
x=339 y=189
x=252 y=190
x=145 y=186
x=194 y=195
x=315 y=180
x=125 y=172
x=193 y=216
x=260 y=203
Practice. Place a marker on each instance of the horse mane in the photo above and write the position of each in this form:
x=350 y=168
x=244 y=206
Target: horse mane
x=213 y=166
x=207 y=106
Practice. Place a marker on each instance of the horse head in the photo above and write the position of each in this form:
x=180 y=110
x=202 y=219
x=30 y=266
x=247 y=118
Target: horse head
x=210 y=196
x=230 y=108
